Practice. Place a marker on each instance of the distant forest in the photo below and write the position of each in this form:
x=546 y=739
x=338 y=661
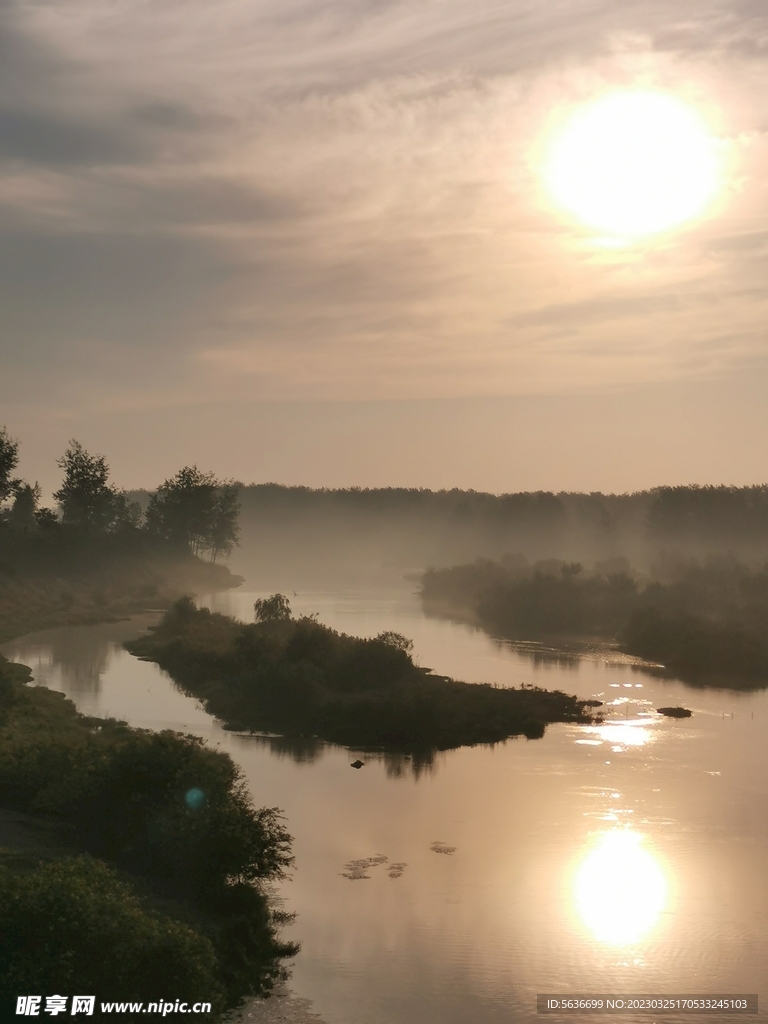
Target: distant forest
x=291 y=532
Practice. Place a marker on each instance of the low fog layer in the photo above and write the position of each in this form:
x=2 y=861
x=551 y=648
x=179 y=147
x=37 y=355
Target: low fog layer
x=294 y=536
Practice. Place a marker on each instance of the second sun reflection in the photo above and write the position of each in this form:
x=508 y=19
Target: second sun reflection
x=619 y=888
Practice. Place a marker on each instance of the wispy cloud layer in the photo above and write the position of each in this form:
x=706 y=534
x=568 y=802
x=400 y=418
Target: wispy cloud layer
x=340 y=200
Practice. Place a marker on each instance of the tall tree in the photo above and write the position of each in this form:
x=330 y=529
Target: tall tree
x=195 y=510
x=224 y=527
x=86 y=499
x=9 y=460
x=23 y=512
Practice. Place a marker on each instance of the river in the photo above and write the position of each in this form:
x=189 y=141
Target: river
x=623 y=858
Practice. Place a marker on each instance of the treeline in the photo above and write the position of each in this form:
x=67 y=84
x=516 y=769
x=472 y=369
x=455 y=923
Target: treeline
x=155 y=883
x=98 y=554
x=298 y=677
x=191 y=511
x=706 y=620
x=713 y=514
x=297 y=527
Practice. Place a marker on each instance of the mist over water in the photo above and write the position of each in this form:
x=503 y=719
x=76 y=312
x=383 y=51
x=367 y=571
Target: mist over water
x=294 y=537
x=626 y=857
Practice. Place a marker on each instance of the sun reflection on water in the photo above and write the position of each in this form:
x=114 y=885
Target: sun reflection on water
x=619 y=735
x=620 y=888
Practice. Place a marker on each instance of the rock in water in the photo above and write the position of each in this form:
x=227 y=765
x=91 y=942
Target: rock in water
x=675 y=712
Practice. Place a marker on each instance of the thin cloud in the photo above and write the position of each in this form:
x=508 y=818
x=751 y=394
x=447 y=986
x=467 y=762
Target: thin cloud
x=342 y=197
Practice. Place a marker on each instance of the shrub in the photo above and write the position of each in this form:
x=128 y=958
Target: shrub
x=73 y=926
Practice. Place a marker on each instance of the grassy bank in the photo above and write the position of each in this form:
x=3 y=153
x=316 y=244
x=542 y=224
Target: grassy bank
x=58 y=579
x=133 y=864
x=298 y=677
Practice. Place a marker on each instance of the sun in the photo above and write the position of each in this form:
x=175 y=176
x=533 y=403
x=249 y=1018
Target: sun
x=634 y=163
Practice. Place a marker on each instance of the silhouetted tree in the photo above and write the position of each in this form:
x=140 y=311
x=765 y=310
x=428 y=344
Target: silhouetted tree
x=276 y=608
x=9 y=459
x=24 y=508
x=224 y=528
x=46 y=518
x=396 y=640
x=197 y=511
x=86 y=499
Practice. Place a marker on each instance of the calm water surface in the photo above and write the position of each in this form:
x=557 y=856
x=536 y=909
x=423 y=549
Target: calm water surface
x=625 y=858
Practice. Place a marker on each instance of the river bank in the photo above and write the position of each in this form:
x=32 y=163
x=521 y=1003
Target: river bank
x=704 y=622
x=105 y=587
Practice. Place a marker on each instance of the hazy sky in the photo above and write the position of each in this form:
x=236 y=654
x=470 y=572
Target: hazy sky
x=309 y=242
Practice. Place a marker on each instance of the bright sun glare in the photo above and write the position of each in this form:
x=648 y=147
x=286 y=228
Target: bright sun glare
x=619 y=888
x=634 y=163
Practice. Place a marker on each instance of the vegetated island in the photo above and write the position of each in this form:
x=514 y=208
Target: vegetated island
x=133 y=865
x=295 y=676
x=703 y=621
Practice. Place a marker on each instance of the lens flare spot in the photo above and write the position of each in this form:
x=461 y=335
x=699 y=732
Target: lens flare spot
x=194 y=799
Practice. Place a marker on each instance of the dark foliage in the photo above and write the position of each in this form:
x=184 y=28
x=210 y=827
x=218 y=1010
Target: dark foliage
x=163 y=808
x=272 y=609
x=86 y=500
x=9 y=460
x=73 y=926
x=519 y=601
x=697 y=649
x=715 y=516
x=196 y=511
x=298 y=677
x=707 y=622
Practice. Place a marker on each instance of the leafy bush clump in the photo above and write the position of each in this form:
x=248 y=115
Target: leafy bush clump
x=74 y=926
x=160 y=806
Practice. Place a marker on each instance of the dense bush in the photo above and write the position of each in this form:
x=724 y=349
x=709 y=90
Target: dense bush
x=697 y=649
x=162 y=807
x=73 y=926
x=520 y=601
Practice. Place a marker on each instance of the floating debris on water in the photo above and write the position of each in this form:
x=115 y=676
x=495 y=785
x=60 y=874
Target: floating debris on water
x=438 y=847
x=358 y=764
x=675 y=712
x=356 y=869
x=396 y=870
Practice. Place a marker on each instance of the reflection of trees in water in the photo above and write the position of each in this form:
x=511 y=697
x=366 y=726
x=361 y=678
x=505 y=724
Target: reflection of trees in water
x=78 y=655
x=541 y=653
x=399 y=766
x=301 y=749
x=67 y=660
x=309 y=749
x=563 y=652
x=82 y=661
